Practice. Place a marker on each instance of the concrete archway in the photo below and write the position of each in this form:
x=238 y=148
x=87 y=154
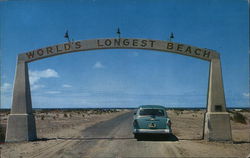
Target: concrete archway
x=21 y=122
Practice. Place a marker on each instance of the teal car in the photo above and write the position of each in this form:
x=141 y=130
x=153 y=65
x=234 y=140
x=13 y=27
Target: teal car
x=151 y=119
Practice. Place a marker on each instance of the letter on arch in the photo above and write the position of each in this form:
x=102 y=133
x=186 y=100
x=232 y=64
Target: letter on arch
x=30 y=55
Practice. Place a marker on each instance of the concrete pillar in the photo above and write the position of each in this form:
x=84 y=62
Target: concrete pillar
x=217 y=119
x=21 y=122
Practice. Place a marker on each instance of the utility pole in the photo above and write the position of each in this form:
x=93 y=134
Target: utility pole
x=171 y=36
x=118 y=32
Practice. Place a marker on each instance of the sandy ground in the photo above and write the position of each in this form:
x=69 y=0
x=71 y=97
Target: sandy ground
x=53 y=126
x=109 y=135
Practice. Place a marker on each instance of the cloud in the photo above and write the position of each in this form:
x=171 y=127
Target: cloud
x=246 y=94
x=135 y=54
x=98 y=65
x=66 y=86
x=36 y=86
x=53 y=92
x=35 y=76
x=5 y=101
x=6 y=87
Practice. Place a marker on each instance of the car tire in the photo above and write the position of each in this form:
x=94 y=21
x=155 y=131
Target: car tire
x=136 y=136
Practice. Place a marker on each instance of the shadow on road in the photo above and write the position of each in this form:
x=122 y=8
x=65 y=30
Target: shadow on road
x=142 y=138
x=190 y=138
x=170 y=137
x=241 y=142
x=86 y=138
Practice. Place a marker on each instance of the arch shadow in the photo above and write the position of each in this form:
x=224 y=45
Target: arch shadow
x=85 y=138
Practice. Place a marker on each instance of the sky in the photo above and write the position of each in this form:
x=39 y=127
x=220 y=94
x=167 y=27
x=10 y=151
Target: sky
x=125 y=77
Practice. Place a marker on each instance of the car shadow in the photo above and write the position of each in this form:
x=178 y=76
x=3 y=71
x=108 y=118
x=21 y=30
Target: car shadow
x=149 y=137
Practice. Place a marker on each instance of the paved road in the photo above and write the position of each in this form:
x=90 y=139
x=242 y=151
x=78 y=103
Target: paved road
x=114 y=138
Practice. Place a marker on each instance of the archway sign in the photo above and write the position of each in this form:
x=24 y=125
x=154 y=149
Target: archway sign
x=21 y=122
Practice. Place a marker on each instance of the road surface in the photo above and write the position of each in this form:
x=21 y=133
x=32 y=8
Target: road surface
x=112 y=138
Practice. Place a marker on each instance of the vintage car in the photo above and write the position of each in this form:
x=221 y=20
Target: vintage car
x=151 y=119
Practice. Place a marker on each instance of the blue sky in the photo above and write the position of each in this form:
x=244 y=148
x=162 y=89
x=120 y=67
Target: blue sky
x=125 y=78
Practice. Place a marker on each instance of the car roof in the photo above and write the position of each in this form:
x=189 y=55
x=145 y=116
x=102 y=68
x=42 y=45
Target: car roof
x=152 y=106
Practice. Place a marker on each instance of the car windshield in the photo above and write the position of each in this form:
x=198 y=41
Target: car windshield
x=156 y=112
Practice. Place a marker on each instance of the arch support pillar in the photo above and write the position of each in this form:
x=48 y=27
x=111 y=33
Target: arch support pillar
x=217 y=119
x=21 y=122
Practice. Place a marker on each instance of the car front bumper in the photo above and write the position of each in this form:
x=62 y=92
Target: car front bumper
x=152 y=131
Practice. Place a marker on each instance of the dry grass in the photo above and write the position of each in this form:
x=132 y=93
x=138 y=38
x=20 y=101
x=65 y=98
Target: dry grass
x=238 y=117
x=2 y=134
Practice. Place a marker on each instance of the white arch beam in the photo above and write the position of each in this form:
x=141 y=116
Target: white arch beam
x=121 y=43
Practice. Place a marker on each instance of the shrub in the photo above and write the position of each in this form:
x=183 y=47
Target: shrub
x=65 y=115
x=238 y=117
x=42 y=117
x=2 y=134
x=231 y=118
x=245 y=110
